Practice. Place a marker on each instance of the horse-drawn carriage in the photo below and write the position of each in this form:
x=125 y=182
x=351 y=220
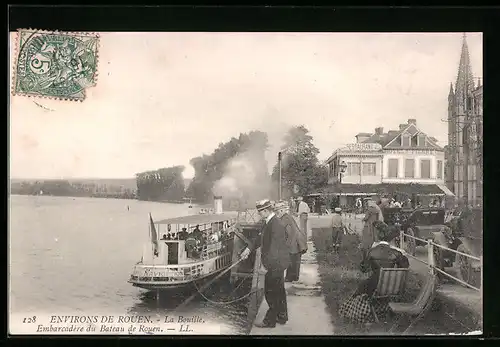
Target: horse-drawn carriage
x=459 y=230
x=420 y=223
x=463 y=232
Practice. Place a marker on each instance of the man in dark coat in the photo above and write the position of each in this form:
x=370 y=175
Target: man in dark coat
x=296 y=240
x=275 y=258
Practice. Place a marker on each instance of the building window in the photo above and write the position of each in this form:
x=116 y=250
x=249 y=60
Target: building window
x=409 y=168
x=353 y=169
x=440 y=169
x=369 y=169
x=421 y=140
x=425 y=168
x=405 y=140
x=393 y=168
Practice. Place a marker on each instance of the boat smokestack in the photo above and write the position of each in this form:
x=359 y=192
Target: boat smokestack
x=217 y=204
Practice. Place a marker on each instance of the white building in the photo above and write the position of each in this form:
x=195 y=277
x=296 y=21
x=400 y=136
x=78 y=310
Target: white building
x=406 y=161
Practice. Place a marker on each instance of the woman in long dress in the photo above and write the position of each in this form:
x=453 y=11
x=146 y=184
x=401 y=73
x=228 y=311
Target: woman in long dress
x=358 y=307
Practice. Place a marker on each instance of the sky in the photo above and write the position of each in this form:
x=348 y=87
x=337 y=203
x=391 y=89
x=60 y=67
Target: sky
x=164 y=98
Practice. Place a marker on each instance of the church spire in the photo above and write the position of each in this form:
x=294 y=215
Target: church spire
x=465 y=79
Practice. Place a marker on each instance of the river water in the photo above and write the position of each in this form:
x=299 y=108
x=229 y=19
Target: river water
x=75 y=255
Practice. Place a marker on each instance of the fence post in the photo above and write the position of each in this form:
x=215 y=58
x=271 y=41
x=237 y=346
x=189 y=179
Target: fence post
x=401 y=239
x=430 y=255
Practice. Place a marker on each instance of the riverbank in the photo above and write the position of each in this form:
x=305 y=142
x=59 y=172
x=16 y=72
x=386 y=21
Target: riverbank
x=340 y=276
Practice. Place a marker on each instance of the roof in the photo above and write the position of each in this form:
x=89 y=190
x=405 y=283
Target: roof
x=199 y=218
x=386 y=139
x=384 y=188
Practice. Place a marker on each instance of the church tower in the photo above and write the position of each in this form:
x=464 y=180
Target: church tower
x=459 y=106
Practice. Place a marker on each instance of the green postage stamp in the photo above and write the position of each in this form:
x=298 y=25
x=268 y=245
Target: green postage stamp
x=55 y=65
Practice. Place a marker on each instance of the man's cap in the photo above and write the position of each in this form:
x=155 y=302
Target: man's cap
x=263 y=204
x=281 y=205
x=300 y=198
x=338 y=209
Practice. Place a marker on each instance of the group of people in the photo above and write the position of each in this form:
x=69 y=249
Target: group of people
x=282 y=243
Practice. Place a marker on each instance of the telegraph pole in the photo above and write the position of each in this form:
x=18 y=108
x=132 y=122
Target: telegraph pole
x=279 y=179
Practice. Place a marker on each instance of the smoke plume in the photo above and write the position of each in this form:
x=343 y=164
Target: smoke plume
x=246 y=179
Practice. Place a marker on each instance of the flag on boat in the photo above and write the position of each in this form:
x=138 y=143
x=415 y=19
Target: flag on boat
x=154 y=235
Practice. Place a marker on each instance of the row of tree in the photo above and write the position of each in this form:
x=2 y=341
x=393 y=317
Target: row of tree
x=302 y=173
x=241 y=161
x=166 y=184
x=66 y=188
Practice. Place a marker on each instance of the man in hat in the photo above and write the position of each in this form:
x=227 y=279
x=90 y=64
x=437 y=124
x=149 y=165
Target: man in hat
x=296 y=239
x=337 y=228
x=275 y=259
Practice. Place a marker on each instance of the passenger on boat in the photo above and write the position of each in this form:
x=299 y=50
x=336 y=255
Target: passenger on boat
x=191 y=248
x=169 y=236
x=197 y=234
x=164 y=237
x=183 y=235
x=214 y=237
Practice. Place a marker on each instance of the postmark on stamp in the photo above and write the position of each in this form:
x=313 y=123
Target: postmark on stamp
x=55 y=65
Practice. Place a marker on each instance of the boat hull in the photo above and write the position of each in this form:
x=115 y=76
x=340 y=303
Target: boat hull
x=179 y=286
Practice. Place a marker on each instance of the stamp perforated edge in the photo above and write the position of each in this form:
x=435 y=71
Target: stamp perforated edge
x=68 y=33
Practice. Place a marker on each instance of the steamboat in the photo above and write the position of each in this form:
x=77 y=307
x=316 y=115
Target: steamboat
x=185 y=250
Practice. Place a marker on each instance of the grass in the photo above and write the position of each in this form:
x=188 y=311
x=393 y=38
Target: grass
x=340 y=276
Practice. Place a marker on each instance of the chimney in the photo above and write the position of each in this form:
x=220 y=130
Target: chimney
x=412 y=121
x=402 y=126
x=379 y=131
x=362 y=137
x=218 y=204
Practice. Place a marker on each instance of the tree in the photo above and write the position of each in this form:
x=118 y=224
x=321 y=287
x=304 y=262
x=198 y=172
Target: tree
x=300 y=165
x=161 y=184
x=211 y=168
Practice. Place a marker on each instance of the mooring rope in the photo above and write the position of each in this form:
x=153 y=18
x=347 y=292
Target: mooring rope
x=229 y=301
x=206 y=285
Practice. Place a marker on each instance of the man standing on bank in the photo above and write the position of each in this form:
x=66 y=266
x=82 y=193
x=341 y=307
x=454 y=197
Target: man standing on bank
x=296 y=239
x=275 y=258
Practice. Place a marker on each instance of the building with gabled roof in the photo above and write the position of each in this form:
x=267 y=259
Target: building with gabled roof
x=406 y=160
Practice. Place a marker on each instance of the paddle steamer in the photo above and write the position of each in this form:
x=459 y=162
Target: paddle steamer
x=187 y=249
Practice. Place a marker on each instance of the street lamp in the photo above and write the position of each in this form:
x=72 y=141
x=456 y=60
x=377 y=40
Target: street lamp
x=279 y=180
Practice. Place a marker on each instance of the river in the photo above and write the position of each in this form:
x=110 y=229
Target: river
x=75 y=255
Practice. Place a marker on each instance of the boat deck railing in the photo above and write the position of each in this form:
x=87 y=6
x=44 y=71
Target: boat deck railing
x=185 y=272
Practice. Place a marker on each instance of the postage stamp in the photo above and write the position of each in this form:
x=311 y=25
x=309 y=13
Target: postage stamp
x=55 y=65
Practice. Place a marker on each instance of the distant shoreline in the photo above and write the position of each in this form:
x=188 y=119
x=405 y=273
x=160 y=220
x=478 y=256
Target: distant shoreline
x=106 y=197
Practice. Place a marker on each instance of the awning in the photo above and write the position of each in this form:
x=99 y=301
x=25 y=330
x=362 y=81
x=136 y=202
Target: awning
x=382 y=188
x=445 y=189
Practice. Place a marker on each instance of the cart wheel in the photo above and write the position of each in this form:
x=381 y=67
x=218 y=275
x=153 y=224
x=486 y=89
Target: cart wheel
x=409 y=243
x=465 y=271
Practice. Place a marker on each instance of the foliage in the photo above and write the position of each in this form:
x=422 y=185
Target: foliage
x=212 y=168
x=161 y=185
x=300 y=165
x=67 y=188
